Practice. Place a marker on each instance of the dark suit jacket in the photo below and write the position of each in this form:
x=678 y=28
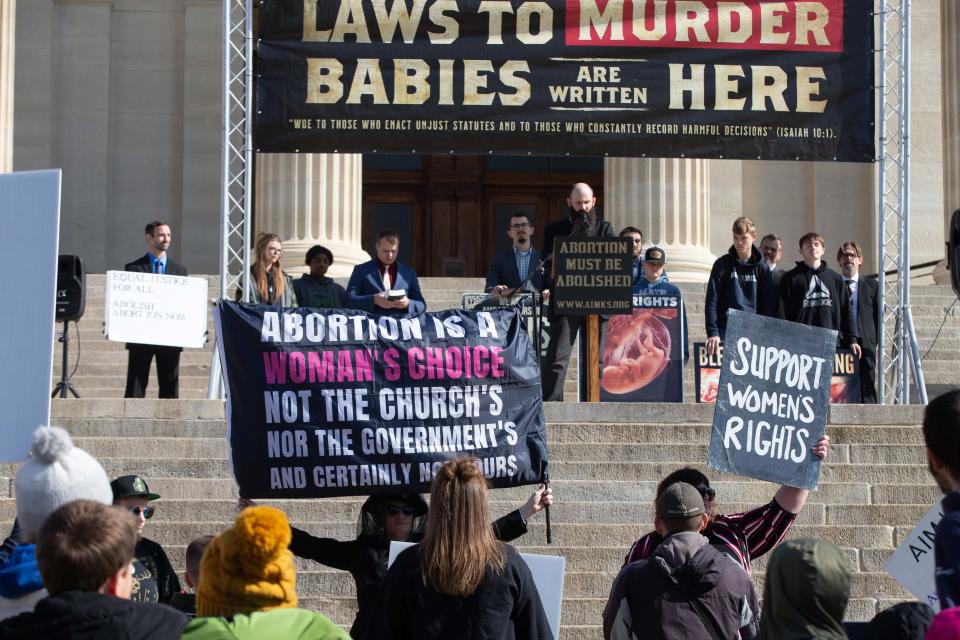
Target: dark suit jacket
x=503 y=270
x=868 y=312
x=142 y=265
x=365 y=282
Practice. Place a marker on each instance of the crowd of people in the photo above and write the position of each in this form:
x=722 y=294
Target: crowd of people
x=77 y=564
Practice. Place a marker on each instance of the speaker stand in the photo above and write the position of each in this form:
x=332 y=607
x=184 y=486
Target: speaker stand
x=65 y=385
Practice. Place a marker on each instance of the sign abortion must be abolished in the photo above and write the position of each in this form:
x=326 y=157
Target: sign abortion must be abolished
x=747 y=79
x=333 y=402
x=772 y=403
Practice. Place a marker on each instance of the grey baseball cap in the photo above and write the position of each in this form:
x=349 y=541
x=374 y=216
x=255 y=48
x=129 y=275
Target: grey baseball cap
x=680 y=500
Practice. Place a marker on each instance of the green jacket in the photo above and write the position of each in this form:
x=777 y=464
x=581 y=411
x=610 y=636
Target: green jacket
x=282 y=624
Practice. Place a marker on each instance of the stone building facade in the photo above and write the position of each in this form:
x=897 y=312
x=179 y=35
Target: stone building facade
x=124 y=96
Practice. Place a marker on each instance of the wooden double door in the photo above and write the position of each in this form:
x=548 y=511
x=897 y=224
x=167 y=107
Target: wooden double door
x=451 y=212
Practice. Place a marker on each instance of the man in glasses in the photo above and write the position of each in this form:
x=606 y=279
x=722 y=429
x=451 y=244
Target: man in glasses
x=132 y=493
x=636 y=250
x=866 y=314
x=771 y=248
x=511 y=268
x=743 y=536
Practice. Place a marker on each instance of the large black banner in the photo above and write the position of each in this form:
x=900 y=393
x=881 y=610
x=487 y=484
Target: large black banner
x=747 y=79
x=332 y=403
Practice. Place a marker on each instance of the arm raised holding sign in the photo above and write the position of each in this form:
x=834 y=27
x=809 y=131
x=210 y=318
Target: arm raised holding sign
x=743 y=536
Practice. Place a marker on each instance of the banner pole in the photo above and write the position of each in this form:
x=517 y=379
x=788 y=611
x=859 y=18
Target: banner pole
x=593 y=358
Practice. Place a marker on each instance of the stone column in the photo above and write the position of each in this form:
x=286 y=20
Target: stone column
x=308 y=199
x=8 y=13
x=950 y=92
x=669 y=200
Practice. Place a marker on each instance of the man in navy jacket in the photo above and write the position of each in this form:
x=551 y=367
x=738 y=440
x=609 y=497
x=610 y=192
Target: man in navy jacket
x=371 y=282
x=941 y=432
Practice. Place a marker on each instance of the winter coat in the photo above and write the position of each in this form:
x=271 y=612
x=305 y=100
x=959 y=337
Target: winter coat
x=319 y=294
x=366 y=556
x=21 y=586
x=946 y=552
x=806 y=592
x=904 y=621
x=278 y=624
x=733 y=284
x=79 y=615
x=818 y=298
x=506 y=605
x=652 y=598
x=152 y=556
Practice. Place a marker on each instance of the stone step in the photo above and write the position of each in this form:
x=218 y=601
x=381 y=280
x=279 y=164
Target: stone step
x=558 y=433
x=555 y=412
x=161 y=448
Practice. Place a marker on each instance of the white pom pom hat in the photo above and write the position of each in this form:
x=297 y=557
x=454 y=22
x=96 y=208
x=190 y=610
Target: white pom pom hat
x=56 y=473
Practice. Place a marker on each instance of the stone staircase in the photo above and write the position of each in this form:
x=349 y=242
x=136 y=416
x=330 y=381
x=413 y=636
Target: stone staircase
x=605 y=463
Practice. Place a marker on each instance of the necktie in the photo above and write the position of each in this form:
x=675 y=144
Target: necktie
x=850 y=287
x=386 y=279
x=156 y=266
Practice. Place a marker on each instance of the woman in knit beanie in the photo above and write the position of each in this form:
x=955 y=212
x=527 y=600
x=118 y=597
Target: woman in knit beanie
x=248 y=585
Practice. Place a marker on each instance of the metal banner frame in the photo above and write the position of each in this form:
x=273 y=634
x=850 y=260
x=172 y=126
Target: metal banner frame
x=898 y=358
x=898 y=354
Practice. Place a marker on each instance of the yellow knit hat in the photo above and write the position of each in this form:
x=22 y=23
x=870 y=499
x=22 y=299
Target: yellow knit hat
x=248 y=568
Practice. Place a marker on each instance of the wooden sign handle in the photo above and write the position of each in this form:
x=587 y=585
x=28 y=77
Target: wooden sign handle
x=593 y=358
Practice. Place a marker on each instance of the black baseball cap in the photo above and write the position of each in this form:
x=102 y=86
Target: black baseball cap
x=655 y=254
x=132 y=487
x=680 y=500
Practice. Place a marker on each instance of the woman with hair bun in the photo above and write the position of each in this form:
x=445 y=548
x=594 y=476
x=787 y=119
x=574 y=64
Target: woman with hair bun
x=460 y=582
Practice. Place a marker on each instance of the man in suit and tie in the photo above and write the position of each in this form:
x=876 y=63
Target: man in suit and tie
x=157 y=236
x=582 y=220
x=512 y=267
x=371 y=283
x=866 y=315
x=771 y=248
x=636 y=246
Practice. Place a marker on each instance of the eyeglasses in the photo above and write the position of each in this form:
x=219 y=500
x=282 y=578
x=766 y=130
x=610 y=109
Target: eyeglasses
x=849 y=255
x=520 y=225
x=146 y=511
x=396 y=511
x=708 y=493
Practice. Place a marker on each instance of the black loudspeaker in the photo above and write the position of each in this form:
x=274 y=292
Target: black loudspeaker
x=953 y=251
x=71 y=289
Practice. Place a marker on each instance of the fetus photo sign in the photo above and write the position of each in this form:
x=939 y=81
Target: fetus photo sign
x=642 y=353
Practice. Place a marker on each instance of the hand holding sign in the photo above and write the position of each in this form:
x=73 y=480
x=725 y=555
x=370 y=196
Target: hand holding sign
x=772 y=401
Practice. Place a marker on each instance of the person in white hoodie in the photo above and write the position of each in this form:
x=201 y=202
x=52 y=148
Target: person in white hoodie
x=56 y=473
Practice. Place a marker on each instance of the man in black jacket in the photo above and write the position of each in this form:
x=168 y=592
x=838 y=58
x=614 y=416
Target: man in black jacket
x=735 y=282
x=687 y=588
x=582 y=220
x=814 y=294
x=84 y=552
x=156 y=260
x=866 y=315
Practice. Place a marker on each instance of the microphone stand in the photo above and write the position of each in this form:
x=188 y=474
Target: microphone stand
x=488 y=303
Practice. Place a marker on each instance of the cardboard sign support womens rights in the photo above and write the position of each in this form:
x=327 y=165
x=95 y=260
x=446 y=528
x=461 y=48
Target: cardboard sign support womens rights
x=772 y=403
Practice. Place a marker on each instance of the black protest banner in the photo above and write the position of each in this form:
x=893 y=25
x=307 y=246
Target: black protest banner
x=642 y=353
x=744 y=79
x=591 y=275
x=333 y=403
x=772 y=403
x=844 y=385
